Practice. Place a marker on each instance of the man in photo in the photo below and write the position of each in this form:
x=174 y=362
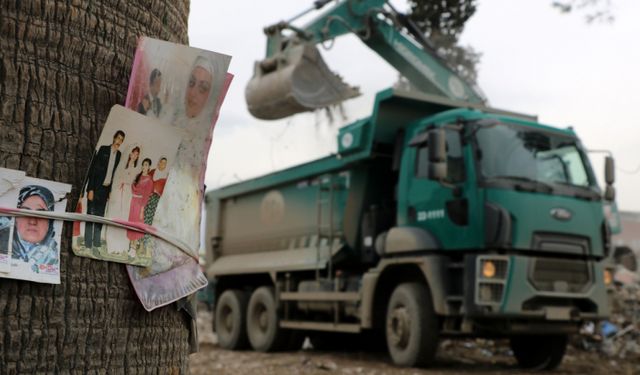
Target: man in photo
x=100 y=178
x=150 y=103
x=34 y=239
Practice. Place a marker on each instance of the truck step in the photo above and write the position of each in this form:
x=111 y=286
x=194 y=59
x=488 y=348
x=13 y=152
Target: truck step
x=321 y=326
x=320 y=296
x=455 y=304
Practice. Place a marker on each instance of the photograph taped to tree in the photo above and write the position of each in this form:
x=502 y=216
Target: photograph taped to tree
x=185 y=87
x=35 y=243
x=10 y=180
x=125 y=181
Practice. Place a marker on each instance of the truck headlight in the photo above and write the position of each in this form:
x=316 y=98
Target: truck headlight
x=488 y=269
x=607 y=277
x=491 y=279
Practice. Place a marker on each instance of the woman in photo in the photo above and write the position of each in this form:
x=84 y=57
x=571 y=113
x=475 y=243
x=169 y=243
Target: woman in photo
x=120 y=200
x=34 y=239
x=141 y=190
x=182 y=192
x=159 y=176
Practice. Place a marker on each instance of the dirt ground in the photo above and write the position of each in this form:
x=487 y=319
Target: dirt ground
x=454 y=357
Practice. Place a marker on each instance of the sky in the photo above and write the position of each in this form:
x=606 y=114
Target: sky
x=534 y=60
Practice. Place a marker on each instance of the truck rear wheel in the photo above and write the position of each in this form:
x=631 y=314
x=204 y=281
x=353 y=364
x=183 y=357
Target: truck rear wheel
x=539 y=352
x=263 y=323
x=230 y=318
x=411 y=326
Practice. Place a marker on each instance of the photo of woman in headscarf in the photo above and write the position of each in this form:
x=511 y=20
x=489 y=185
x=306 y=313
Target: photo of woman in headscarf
x=196 y=81
x=34 y=238
x=182 y=196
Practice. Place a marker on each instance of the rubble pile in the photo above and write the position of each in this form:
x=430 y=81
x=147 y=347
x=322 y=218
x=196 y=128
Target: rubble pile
x=618 y=337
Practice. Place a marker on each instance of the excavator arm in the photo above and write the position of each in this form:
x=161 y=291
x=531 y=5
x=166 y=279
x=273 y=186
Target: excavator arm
x=293 y=77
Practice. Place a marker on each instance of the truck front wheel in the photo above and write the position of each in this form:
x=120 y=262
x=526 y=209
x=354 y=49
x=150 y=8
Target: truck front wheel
x=539 y=352
x=231 y=311
x=411 y=325
x=263 y=323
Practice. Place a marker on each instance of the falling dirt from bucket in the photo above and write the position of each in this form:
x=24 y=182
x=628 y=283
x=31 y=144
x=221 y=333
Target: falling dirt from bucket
x=293 y=81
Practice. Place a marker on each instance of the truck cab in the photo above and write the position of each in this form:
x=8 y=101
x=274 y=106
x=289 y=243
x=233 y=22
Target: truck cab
x=511 y=195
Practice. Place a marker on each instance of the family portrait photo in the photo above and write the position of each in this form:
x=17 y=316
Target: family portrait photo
x=125 y=180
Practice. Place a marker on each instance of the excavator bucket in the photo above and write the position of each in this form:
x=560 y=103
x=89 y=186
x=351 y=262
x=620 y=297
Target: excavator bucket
x=293 y=81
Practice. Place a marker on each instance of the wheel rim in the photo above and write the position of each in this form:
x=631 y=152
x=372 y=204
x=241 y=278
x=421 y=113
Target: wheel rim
x=261 y=318
x=399 y=327
x=226 y=318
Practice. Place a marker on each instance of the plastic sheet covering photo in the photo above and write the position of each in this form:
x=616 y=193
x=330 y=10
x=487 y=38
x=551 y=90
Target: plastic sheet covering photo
x=184 y=87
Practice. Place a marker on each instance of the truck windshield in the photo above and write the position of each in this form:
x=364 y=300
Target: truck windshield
x=550 y=161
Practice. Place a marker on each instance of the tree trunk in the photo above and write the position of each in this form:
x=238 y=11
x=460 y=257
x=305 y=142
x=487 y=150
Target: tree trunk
x=63 y=64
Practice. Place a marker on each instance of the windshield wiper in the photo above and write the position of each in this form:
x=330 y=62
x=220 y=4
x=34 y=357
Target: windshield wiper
x=581 y=191
x=535 y=184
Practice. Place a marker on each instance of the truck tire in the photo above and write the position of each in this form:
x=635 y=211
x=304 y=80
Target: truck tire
x=230 y=317
x=263 y=323
x=539 y=352
x=411 y=326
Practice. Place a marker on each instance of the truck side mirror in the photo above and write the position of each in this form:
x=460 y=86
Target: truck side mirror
x=437 y=146
x=609 y=193
x=609 y=170
x=438 y=171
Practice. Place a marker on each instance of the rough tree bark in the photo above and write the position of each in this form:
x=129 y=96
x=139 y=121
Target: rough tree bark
x=63 y=64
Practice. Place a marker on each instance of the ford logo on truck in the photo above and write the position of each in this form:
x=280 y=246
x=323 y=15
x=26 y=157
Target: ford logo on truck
x=561 y=214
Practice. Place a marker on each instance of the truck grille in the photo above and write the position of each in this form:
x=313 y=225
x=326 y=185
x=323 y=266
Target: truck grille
x=561 y=243
x=560 y=275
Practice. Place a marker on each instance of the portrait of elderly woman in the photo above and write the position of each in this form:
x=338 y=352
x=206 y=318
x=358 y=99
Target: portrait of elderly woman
x=34 y=238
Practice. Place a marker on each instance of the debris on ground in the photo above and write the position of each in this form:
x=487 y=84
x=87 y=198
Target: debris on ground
x=618 y=337
x=609 y=347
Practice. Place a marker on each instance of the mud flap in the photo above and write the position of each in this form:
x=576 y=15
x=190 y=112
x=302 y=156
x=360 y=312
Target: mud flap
x=293 y=81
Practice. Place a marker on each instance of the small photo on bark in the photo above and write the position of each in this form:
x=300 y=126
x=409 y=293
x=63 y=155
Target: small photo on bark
x=125 y=181
x=35 y=242
x=10 y=180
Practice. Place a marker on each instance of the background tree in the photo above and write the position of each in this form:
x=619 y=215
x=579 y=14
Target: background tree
x=594 y=10
x=63 y=64
x=442 y=22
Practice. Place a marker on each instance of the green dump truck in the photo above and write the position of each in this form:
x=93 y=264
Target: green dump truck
x=438 y=216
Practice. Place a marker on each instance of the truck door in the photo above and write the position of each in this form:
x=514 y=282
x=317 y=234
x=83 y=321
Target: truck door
x=441 y=208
